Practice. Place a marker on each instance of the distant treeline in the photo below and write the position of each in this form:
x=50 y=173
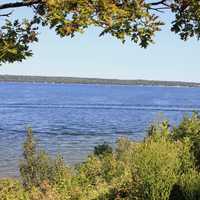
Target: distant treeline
x=45 y=79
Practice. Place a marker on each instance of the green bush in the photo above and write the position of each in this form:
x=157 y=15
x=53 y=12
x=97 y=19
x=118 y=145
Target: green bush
x=104 y=178
x=190 y=128
x=146 y=170
x=190 y=184
x=162 y=167
x=102 y=149
x=37 y=166
x=11 y=189
x=157 y=165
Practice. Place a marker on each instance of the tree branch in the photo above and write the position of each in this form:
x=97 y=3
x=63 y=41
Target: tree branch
x=19 y=4
x=159 y=6
x=6 y=14
x=157 y=3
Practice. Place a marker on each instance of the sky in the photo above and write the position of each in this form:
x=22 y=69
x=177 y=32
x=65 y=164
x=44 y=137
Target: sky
x=89 y=55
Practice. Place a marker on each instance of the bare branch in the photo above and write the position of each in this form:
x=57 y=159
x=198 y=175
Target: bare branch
x=6 y=15
x=159 y=6
x=157 y=3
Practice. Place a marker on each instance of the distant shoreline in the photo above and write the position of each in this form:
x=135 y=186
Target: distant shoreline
x=74 y=80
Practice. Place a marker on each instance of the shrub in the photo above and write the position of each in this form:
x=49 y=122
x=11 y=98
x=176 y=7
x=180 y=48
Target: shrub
x=104 y=178
x=157 y=165
x=162 y=167
x=102 y=149
x=45 y=192
x=190 y=128
x=159 y=128
x=190 y=185
x=38 y=167
x=146 y=170
x=11 y=189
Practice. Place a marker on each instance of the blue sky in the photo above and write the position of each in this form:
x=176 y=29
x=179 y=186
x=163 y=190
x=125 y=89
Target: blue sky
x=88 y=55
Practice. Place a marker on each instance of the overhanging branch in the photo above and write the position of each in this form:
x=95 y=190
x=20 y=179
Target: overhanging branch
x=19 y=4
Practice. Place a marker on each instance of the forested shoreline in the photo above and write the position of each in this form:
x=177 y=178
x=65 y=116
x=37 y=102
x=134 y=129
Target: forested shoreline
x=74 y=80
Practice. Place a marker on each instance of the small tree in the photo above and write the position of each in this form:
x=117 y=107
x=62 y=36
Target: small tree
x=27 y=166
x=37 y=166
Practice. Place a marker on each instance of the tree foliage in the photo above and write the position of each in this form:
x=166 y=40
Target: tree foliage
x=138 y=20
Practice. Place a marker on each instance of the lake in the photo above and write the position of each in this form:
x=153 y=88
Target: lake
x=72 y=118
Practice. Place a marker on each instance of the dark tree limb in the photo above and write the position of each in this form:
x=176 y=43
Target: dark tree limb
x=157 y=3
x=19 y=4
x=6 y=14
x=33 y=2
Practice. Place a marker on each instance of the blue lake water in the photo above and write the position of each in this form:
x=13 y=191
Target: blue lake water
x=72 y=118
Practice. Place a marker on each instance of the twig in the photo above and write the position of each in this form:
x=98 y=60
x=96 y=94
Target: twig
x=6 y=14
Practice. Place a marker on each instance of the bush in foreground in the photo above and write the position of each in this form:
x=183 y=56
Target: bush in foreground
x=165 y=166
